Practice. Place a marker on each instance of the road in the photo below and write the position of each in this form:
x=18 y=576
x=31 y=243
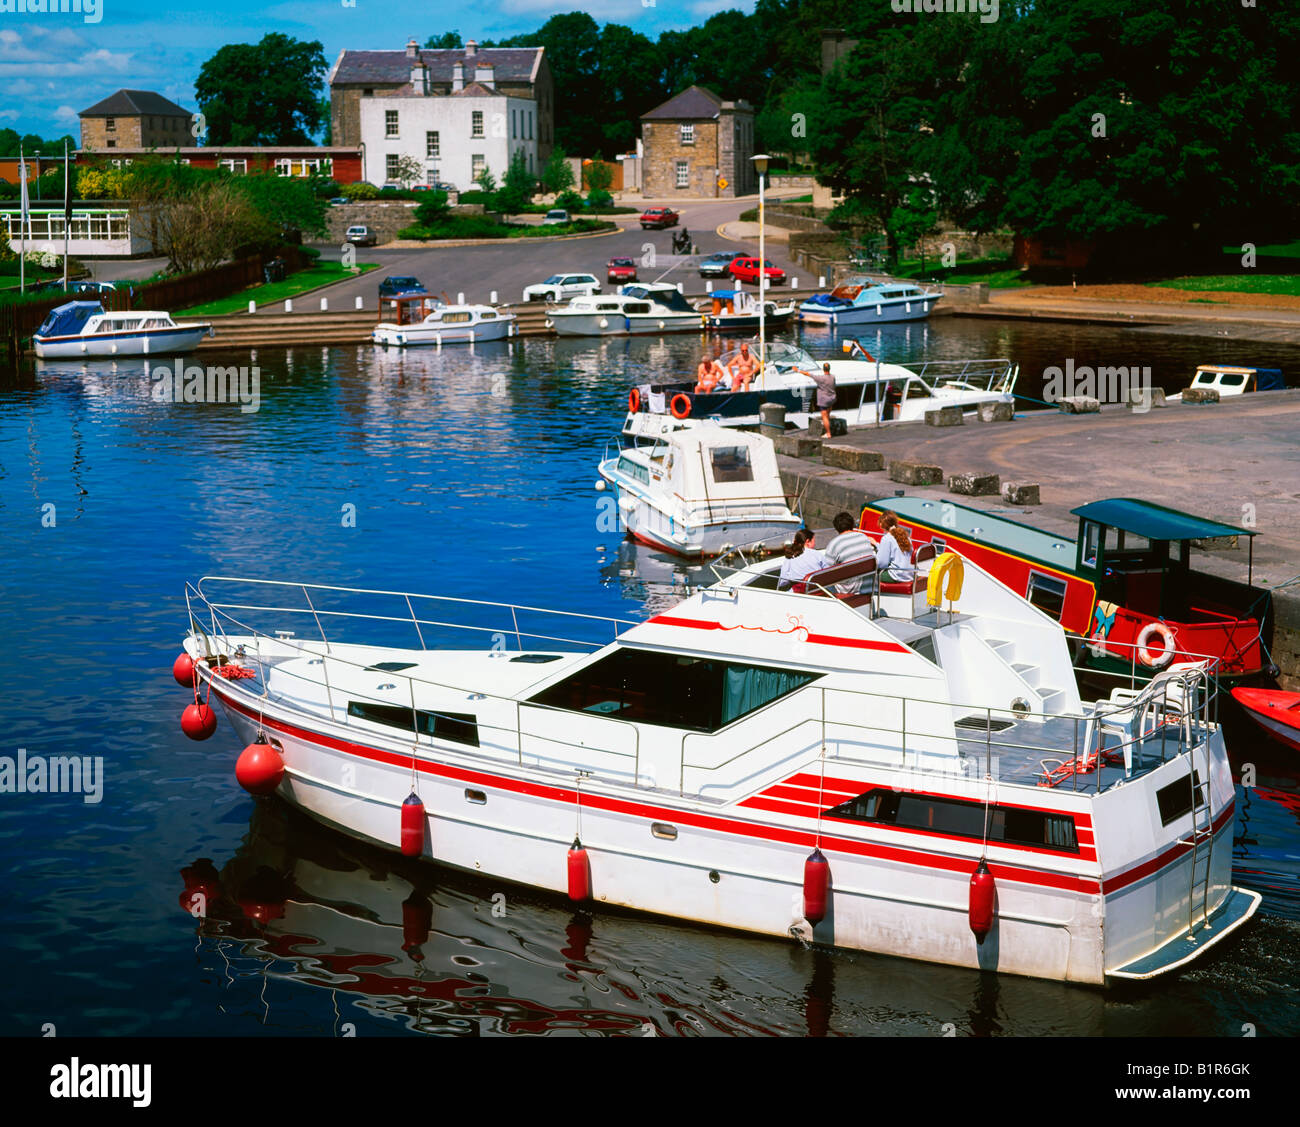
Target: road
x=513 y=264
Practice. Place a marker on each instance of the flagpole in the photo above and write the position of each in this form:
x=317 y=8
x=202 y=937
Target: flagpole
x=67 y=213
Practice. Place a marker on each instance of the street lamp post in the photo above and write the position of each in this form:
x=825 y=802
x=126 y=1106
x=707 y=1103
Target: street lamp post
x=760 y=166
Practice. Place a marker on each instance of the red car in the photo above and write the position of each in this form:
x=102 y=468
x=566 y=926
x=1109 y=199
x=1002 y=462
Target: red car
x=659 y=217
x=746 y=270
x=621 y=270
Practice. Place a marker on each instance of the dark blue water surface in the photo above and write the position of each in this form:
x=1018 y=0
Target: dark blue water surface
x=471 y=474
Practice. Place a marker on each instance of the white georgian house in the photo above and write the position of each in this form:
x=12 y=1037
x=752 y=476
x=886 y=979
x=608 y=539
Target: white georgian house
x=454 y=135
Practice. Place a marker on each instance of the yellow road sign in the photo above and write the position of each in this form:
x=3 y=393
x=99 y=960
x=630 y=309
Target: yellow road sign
x=722 y=182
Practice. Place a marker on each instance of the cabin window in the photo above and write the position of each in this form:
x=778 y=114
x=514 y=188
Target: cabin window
x=699 y=694
x=917 y=390
x=1232 y=379
x=1175 y=800
x=456 y=318
x=456 y=727
x=956 y=817
x=1091 y=543
x=637 y=307
x=634 y=469
x=1047 y=593
x=731 y=463
x=488 y=316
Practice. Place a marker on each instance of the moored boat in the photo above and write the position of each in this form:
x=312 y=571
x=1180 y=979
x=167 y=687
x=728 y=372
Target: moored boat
x=860 y=300
x=736 y=310
x=637 y=309
x=1274 y=710
x=875 y=772
x=422 y=319
x=1229 y=380
x=84 y=329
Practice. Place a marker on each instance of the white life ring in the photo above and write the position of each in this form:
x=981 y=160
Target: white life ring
x=1149 y=658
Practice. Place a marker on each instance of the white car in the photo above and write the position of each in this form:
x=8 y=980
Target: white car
x=559 y=287
x=556 y=215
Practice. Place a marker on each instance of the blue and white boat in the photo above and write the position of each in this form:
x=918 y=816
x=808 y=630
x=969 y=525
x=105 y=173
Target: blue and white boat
x=861 y=300
x=82 y=328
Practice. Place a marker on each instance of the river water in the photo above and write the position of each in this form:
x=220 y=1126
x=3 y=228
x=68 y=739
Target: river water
x=469 y=474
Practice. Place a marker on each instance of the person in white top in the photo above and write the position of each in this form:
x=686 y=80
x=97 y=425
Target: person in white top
x=849 y=546
x=895 y=556
x=800 y=562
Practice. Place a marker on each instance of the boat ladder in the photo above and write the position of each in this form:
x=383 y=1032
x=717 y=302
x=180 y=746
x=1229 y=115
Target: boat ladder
x=1201 y=838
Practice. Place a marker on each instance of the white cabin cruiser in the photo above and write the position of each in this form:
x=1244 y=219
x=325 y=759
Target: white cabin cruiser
x=424 y=319
x=738 y=309
x=870 y=772
x=83 y=329
x=701 y=492
x=1229 y=380
x=860 y=300
x=637 y=308
x=866 y=389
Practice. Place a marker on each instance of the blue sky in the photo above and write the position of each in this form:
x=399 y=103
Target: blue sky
x=54 y=64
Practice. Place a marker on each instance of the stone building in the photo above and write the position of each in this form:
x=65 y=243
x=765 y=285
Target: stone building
x=135 y=119
x=695 y=144
x=454 y=111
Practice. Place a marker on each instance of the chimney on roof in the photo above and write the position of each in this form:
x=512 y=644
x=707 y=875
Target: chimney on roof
x=412 y=49
x=471 y=47
x=457 y=76
x=418 y=73
x=485 y=73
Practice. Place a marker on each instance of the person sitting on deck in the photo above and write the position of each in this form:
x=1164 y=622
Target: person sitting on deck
x=895 y=552
x=708 y=375
x=851 y=545
x=800 y=562
x=744 y=367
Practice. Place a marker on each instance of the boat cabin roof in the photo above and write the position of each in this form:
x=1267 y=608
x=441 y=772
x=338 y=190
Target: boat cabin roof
x=1155 y=522
x=68 y=319
x=983 y=527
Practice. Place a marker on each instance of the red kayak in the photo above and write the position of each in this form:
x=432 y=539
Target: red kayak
x=1275 y=711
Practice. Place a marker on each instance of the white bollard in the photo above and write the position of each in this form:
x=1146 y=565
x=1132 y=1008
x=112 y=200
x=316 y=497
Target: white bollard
x=821 y=281
x=288 y=305
x=794 y=283
x=460 y=299
x=360 y=302
x=252 y=306
x=324 y=304
x=708 y=286
x=679 y=288
x=492 y=298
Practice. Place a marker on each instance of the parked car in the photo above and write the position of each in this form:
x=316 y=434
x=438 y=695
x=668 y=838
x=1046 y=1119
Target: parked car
x=561 y=287
x=100 y=288
x=361 y=235
x=659 y=218
x=339 y=200
x=746 y=270
x=391 y=187
x=621 y=270
x=718 y=264
x=396 y=285
x=556 y=215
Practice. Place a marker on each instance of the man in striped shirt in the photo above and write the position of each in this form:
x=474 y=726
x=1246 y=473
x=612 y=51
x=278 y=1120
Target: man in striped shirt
x=850 y=546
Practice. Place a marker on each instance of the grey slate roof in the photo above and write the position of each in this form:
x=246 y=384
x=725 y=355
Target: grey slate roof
x=695 y=103
x=129 y=103
x=513 y=64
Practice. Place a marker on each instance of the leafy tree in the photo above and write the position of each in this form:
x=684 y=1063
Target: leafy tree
x=572 y=43
x=517 y=191
x=287 y=204
x=267 y=93
x=409 y=170
x=597 y=175
x=447 y=41
x=569 y=200
x=557 y=176
x=486 y=180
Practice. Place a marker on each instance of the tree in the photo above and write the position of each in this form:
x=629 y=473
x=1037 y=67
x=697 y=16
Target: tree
x=267 y=93
x=486 y=180
x=409 y=170
x=447 y=41
x=572 y=43
x=517 y=191
x=432 y=210
x=557 y=176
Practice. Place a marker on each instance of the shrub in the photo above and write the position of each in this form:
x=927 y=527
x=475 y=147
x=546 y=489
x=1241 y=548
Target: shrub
x=569 y=200
x=599 y=198
x=361 y=190
x=432 y=209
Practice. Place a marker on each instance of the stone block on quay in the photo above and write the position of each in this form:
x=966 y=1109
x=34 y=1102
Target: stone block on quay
x=1146 y=397
x=996 y=412
x=1201 y=395
x=944 y=417
x=798 y=445
x=1079 y=405
x=974 y=484
x=1021 y=493
x=915 y=473
x=851 y=458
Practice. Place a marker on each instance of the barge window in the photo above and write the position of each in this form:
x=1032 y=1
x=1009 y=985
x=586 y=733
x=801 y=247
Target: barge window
x=731 y=463
x=961 y=818
x=1046 y=593
x=1175 y=800
x=672 y=690
x=457 y=727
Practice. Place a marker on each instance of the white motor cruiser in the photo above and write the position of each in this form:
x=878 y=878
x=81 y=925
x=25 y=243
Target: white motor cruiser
x=83 y=329
x=638 y=308
x=424 y=319
x=700 y=492
x=858 y=769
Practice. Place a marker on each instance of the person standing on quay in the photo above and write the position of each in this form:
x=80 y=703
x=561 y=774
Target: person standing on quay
x=825 y=396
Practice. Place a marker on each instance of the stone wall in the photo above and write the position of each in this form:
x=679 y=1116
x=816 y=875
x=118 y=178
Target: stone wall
x=384 y=217
x=96 y=135
x=789 y=180
x=663 y=149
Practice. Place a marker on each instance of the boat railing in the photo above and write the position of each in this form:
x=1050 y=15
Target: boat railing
x=993 y=375
x=1180 y=701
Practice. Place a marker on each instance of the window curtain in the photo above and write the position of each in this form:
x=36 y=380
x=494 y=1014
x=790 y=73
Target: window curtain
x=745 y=689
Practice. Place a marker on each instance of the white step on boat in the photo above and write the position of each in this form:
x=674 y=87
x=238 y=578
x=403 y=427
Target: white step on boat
x=638 y=308
x=700 y=492
x=83 y=329
x=419 y=319
x=868 y=772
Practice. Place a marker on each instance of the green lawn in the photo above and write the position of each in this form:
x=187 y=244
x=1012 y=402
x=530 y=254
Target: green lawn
x=1276 y=250
x=323 y=274
x=1237 y=283
x=998 y=273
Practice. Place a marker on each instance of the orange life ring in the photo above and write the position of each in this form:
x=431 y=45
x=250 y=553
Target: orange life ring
x=1149 y=657
x=634 y=400
x=680 y=406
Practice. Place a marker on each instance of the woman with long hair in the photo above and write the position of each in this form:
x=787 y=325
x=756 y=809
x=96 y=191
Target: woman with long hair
x=801 y=561
x=895 y=555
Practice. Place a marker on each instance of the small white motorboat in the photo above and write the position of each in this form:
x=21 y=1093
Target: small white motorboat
x=425 y=319
x=727 y=310
x=83 y=329
x=862 y=301
x=701 y=492
x=637 y=308
x=1229 y=380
